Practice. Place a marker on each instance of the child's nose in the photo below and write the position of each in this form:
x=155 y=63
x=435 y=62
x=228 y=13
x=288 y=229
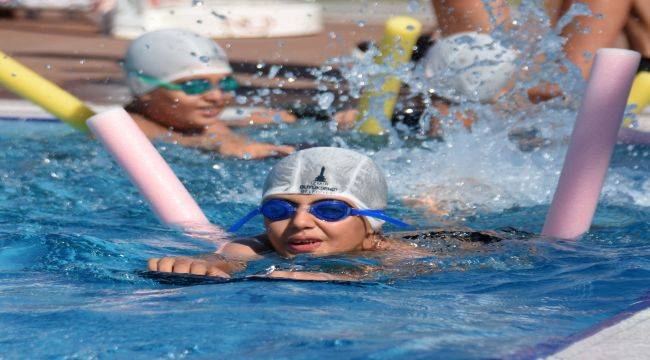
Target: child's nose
x=215 y=94
x=302 y=218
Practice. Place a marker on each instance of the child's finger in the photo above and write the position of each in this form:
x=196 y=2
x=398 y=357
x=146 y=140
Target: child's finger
x=166 y=264
x=152 y=264
x=285 y=149
x=198 y=268
x=182 y=265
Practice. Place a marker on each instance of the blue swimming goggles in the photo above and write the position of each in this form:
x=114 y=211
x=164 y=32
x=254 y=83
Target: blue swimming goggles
x=326 y=210
x=194 y=86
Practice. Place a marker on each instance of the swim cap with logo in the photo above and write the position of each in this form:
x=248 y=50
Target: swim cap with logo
x=331 y=171
x=171 y=54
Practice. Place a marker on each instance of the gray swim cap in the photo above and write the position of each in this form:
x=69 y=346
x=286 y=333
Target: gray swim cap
x=331 y=171
x=169 y=55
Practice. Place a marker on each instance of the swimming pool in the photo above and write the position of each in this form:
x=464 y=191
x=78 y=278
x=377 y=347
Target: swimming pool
x=76 y=235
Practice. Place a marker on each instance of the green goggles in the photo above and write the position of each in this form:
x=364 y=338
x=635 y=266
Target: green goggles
x=194 y=86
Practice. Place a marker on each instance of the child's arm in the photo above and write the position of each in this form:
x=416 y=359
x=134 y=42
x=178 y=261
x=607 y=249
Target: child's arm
x=261 y=116
x=217 y=137
x=230 y=258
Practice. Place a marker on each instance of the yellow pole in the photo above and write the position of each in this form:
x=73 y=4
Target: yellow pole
x=639 y=95
x=395 y=49
x=33 y=87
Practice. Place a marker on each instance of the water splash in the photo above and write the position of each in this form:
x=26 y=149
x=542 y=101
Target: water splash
x=513 y=153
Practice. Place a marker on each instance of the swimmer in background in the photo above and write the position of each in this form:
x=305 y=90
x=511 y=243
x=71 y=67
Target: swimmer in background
x=181 y=82
x=464 y=63
x=320 y=201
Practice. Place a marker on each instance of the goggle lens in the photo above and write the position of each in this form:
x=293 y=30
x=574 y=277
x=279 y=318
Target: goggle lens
x=197 y=86
x=228 y=83
x=200 y=86
x=330 y=210
x=276 y=210
x=327 y=210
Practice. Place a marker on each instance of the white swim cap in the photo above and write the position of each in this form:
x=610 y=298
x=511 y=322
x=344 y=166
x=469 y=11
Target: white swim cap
x=331 y=171
x=470 y=65
x=169 y=55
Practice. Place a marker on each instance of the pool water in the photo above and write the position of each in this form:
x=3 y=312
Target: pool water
x=75 y=236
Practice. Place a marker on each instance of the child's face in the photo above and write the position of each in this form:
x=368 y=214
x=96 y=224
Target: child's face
x=183 y=112
x=305 y=233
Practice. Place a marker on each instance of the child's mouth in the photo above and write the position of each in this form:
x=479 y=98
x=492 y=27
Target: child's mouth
x=304 y=245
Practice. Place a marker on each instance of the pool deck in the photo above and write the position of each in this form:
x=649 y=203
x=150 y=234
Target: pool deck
x=70 y=50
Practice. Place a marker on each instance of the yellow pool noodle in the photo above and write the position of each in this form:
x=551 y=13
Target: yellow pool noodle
x=28 y=84
x=639 y=95
x=395 y=48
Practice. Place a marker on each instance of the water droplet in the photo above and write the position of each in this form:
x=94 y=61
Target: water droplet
x=273 y=71
x=325 y=100
x=413 y=6
x=48 y=66
x=332 y=35
x=197 y=3
x=241 y=99
x=361 y=23
x=82 y=61
x=216 y=167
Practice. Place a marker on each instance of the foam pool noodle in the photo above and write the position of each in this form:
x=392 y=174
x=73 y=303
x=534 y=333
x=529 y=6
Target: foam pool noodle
x=396 y=48
x=592 y=143
x=149 y=172
x=33 y=87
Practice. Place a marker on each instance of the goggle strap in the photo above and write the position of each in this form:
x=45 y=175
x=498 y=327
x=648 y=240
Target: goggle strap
x=244 y=220
x=379 y=214
x=154 y=81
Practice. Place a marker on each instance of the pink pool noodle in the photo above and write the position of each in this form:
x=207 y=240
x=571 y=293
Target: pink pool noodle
x=148 y=171
x=592 y=143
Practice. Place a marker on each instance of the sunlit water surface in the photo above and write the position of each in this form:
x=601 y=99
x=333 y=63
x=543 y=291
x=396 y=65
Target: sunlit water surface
x=75 y=236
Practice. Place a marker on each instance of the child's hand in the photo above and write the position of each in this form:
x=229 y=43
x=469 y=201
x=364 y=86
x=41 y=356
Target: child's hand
x=187 y=265
x=270 y=116
x=346 y=119
x=255 y=150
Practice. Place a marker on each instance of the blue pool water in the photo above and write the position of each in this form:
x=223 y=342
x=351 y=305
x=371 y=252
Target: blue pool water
x=75 y=236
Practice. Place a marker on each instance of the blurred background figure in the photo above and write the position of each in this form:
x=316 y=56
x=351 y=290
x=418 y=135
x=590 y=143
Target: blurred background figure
x=181 y=83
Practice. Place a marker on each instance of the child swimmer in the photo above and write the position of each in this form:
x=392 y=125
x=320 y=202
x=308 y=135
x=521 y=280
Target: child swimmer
x=319 y=201
x=181 y=83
